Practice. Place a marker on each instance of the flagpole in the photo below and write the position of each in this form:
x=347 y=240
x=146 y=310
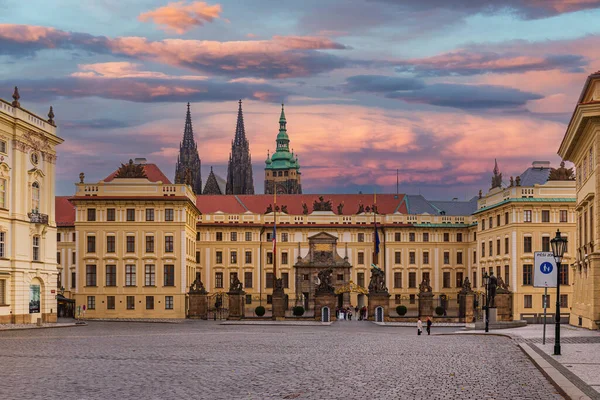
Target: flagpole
x=375 y=253
x=274 y=237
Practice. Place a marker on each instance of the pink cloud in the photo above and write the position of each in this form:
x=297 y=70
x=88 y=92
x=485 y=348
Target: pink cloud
x=125 y=69
x=180 y=16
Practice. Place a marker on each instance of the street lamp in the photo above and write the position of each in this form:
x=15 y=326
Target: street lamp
x=559 y=246
x=486 y=280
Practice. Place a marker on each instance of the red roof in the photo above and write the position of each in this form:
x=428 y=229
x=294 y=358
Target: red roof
x=152 y=171
x=65 y=211
x=386 y=203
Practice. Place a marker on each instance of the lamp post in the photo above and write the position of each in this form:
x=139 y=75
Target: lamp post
x=559 y=246
x=486 y=280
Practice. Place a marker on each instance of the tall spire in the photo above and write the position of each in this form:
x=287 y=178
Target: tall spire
x=497 y=178
x=282 y=121
x=239 y=169
x=187 y=169
x=240 y=131
x=188 y=131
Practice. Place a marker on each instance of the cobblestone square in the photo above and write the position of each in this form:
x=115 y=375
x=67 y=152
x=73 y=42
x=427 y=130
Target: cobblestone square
x=205 y=360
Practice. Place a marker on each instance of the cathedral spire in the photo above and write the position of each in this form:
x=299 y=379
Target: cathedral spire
x=187 y=169
x=240 y=131
x=188 y=131
x=239 y=169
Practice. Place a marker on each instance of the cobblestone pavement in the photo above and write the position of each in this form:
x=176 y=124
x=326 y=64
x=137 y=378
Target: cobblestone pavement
x=205 y=360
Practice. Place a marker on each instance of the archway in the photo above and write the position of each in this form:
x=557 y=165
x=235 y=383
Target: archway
x=325 y=314
x=379 y=314
x=36 y=303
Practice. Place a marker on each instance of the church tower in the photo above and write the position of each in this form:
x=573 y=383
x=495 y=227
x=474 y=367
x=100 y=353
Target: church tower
x=187 y=169
x=282 y=170
x=239 y=170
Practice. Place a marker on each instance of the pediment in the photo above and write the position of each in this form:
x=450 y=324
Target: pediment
x=322 y=236
x=36 y=173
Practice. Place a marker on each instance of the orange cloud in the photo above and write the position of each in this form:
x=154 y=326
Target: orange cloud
x=180 y=17
x=125 y=69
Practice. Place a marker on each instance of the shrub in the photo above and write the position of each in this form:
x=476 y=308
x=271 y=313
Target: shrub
x=439 y=310
x=260 y=311
x=298 y=311
x=401 y=310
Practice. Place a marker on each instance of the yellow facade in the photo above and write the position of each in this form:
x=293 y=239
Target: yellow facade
x=581 y=146
x=28 y=273
x=135 y=248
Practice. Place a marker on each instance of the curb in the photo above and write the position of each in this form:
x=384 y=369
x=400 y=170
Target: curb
x=558 y=380
x=271 y=323
x=41 y=327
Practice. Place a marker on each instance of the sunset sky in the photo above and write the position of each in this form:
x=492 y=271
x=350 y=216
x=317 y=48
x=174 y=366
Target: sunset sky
x=434 y=88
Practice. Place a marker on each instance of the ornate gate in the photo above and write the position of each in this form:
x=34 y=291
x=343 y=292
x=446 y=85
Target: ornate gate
x=218 y=305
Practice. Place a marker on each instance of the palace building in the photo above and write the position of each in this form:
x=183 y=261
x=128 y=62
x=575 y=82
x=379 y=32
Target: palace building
x=28 y=233
x=581 y=146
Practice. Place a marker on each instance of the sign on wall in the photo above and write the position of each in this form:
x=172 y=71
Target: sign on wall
x=545 y=273
x=34 y=299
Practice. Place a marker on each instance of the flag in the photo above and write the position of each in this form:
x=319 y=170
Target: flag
x=274 y=237
x=376 y=240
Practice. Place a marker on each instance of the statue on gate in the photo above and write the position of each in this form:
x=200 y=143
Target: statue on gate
x=325 y=280
x=236 y=285
x=502 y=286
x=466 y=286
x=425 y=287
x=492 y=285
x=197 y=286
x=377 y=283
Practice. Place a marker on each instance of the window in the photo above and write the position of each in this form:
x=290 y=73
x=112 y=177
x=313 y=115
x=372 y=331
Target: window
x=197 y=257
x=284 y=237
x=482 y=249
x=248 y=236
x=91 y=244
x=425 y=257
x=545 y=215
x=233 y=257
x=110 y=214
x=169 y=277
x=446 y=257
x=248 y=279
x=131 y=244
x=169 y=218
x=269 y=280
x=506 y=274
x=73 y=280
x=149 y=244
x=233 y=236
x=219 y=280
x=459 y=237
x=269 y=236
x=446 y=279
x=149 y=302
x=284 y=258
x=474 y=256
x=150 y=215
x=111 y=275
x=248 y=258
x=91 y=214
x=360 y=278
x=563 y=274
x=411 y=237
x=91 y=302
x=361 y=257
x=58 y=237
x=168 y=244
x=58 y=257
x=130 y=275
x=474 y=279
x=110 y=244
x=110 y=302
x=397 y=279
x=459 y=279
x=397 y=237
x=527 y=216
x=197 y=236
x=36 y=248
x=563 y=215
x=90 y=275
x=564 y=301
x=446 y=237
x=130 y=214
x=459 y=257
x=270 y=297
x=219 y=236
x=412 y=279
x=285 y=279
x=2 y=242
x=498 y=271
x=545 y=243
x=411 y=257
x=73 y=258
x=497 y=247
x=150 y=276
x=131 y=302
x=491 y=248
x=505 y=245
x=491 y=224
x=528 y=301
x=527 y=244
x=506 y=218
x=35 y=196
x=248 y=299
x=546 y=301
x=269 y=257
x=498 y=220
x=219 y=257
x=398 y=257
x=361 y=237
x=425 y=277
x=168 y=302
x=425 y=236
x=527 y=274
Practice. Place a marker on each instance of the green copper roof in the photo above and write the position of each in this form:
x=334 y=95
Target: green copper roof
x=528 y=200
x=282 y=158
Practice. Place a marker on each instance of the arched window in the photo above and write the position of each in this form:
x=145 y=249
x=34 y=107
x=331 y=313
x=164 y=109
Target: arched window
x=35 y=196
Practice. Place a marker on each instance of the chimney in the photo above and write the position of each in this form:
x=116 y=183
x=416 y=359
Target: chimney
x=140 y=161
x=541 y=164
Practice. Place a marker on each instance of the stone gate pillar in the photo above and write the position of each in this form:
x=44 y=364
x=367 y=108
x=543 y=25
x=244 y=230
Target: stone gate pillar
x=236 y=300
x=466 y=301
x=425 y=300
x=325 y=299
x=279 y=300
x=198 y=296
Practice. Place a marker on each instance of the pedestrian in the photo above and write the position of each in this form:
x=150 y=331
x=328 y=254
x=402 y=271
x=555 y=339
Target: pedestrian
x=419 y=327
x=350 y=314
x=429 y=323
x=364 y=311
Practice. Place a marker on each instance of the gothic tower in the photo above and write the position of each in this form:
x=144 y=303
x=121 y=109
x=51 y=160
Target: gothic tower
x=282 y=170
x=239 y=170
x=187 y=169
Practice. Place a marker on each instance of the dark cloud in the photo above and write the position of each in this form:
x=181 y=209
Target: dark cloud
x=475 y=62
x=143 y=90
x=381 y=84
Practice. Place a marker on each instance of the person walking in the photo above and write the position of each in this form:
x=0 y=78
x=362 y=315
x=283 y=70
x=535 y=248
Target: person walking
x=429 y=323
x=419 y=327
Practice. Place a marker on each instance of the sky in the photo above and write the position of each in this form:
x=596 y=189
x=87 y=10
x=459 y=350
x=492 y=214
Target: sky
x=429 y=92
